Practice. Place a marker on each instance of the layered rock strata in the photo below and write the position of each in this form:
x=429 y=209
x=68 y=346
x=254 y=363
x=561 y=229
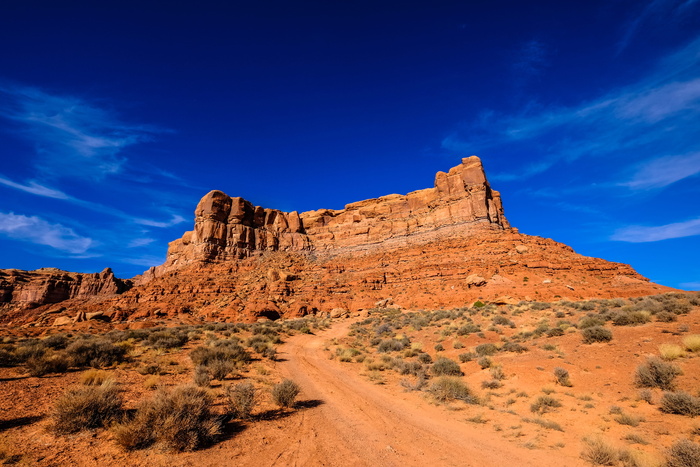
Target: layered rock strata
x=445 y=246
x=461 y=203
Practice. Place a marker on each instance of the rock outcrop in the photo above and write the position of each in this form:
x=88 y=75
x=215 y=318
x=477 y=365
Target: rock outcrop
x=461 y=203
x=21 y=290
x=445 y=246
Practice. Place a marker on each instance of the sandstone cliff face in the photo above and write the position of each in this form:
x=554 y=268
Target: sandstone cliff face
x=445 y=246
x=461 y=203
x=30 y=289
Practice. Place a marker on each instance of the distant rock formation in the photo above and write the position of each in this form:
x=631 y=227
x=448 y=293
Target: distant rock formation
x=21 y=290
x=461 y=202
x=445 y=246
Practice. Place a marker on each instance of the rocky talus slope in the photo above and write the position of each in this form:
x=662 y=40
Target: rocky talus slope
x=445 y=246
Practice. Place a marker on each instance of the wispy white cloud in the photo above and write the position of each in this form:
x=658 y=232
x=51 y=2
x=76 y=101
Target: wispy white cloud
x=34 y=188
x=41 y=190
x=138 y=242
x=665 y=12
x=35 y=230
x=691 y=285
x=174 y=220
x=659 y=113
x=664 y=171
x=642 y=234
x=73 y=138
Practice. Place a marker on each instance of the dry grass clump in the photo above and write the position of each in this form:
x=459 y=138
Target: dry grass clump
x=151 y=382
x=598 y=452
x=671 y=351
x=596 y=334
x=692 y=342
x=655 y=373
x=684 y=453
x=96 y=353
x=241 y=399
x=562 y=376
x=49 y=362
x=285 y=393
x=544 y=404
x=176 y=420
x=449 y=388
x=445 y=367
x=94 y=377
x=628 y=419
x=680 y=403
x=86 y=407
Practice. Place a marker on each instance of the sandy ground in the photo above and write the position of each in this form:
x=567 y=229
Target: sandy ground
x=344 y=419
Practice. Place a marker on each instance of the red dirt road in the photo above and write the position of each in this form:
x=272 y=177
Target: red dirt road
x=355 y=422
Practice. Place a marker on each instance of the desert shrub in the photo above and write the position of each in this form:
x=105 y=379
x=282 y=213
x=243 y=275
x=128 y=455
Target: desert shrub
x=683 y=453
x=484 y=362
x=544 y=404
x=466 y=357
x=590 y=321
x=491 y=384
x=270 y=353
x=513 y=347
x=202 y=376
x=391 y=345
x=168 y=339
x=8 y=358
x=50 y=362
x=449 y=388
x=628 y=419
x=598 y=452
x=596 y=334
x=562 y=376
x=549 y=424
x=220 y=369
x=467 y=329
x=96 y=353
x=425 y=358
x=655 y=373
x=497 y=372
x=56 y=342
x=177 y=420
x=665 y=317
x=692 y=342
x=149 y=369
x=230 y=351
x=408 y=368
x=646 y=395
x=486 y=349
x=680 y=403
x=439 y=347
x=86 y=407
x=285 y=393
x=445 y=367
x=555 y=332
x=241 y=399
x=94 y=377
x=32 y=348
x=500 y=320
x=631 y=318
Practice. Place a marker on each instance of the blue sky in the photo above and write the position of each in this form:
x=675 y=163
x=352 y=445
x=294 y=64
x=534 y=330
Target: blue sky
x=116 y=117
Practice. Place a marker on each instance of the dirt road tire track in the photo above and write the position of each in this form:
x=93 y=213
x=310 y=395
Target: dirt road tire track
x=357 y=423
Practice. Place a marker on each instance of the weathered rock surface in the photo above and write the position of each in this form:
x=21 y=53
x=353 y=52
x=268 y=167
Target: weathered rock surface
x=21 y=290
x=460 y=203
x=445 y=246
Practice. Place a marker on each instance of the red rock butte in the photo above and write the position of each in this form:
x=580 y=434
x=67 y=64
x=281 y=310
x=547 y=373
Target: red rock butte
x=445 y=246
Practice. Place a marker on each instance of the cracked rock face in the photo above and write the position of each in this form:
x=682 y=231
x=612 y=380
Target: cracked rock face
x=226 y=228
x=442 y=247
